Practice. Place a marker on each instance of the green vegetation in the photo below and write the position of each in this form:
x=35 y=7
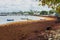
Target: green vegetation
x=54 y=4
x=21 y=12
x=51 y=11
x=34 y=13
x=31 y=12
x=43 y=13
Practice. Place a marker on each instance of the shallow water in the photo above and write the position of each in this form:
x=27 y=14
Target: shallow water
x=3 y=19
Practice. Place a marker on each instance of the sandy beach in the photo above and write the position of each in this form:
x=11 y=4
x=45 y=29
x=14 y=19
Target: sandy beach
x=27 y=30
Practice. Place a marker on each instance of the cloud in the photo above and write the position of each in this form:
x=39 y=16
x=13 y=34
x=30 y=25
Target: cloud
x=17 y=5
x=14 y=5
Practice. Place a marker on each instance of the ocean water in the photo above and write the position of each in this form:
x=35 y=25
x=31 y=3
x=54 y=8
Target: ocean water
x=7 y=19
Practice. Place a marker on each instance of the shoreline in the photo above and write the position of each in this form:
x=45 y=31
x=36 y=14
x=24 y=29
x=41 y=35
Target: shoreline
x=42 y=18
x=26 y=30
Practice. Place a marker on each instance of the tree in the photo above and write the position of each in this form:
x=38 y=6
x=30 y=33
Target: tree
x=58 y=9
x=43 y=13
x=31 y=12
x=51 y=12
x=54 y=4
x=21 y=12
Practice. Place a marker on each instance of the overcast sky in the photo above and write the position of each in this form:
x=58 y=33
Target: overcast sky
x=17 y=5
